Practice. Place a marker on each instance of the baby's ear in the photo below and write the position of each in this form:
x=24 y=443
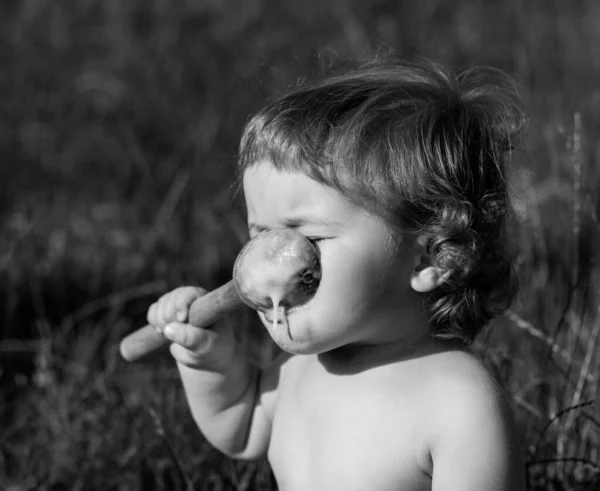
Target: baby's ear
x=426 y=277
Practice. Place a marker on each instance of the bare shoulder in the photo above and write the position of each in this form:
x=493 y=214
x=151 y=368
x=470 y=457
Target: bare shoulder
x=459 y=382
x=461 y=370
x=471 y=421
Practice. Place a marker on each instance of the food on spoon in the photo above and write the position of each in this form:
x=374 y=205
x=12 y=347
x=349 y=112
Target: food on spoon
x=279 y=268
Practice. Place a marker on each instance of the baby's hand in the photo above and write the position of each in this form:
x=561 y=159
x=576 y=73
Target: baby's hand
x=206 y=348
x=173 y=306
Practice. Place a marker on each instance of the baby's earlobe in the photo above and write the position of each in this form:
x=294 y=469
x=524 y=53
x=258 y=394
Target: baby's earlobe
x=426 y=278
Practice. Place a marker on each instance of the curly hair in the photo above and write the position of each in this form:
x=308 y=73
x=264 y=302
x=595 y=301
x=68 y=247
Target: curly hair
x=423 y=149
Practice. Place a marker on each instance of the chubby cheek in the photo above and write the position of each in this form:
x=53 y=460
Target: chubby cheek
x=358 y=275
x=352 y=284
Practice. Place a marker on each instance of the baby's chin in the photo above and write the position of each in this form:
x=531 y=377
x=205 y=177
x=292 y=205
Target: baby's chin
x=293 y=336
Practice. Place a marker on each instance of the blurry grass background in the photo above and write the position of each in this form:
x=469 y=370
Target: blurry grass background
x=119 y=122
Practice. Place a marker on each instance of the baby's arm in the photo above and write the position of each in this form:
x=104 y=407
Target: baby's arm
x=476 y=446
x=233 y=408
x=229 y=398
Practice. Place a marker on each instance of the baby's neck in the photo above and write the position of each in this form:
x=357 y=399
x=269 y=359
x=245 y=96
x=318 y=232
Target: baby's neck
x=357 y=357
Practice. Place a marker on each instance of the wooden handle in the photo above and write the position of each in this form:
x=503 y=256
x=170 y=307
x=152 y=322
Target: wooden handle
x=204 y=311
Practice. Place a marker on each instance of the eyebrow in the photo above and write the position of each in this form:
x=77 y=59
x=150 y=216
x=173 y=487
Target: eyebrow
x=296 y=222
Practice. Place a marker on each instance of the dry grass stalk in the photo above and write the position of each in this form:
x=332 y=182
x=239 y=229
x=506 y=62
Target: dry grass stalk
x=576 y=161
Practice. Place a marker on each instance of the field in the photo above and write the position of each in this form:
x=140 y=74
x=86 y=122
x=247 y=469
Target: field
x=119 y=124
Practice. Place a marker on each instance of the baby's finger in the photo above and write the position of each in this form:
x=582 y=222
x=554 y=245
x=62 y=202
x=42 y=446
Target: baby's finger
x=183 y=301
x=151 y=315
x=187 y=336
x=168 y=308
x=186 y=357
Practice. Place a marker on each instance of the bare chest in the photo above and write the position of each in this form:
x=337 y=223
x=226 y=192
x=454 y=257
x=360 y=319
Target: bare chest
x=348 y=433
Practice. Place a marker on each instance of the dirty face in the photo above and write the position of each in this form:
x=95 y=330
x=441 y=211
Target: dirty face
x=365 y=270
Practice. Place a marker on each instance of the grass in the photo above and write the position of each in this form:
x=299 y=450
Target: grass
x=118 y=135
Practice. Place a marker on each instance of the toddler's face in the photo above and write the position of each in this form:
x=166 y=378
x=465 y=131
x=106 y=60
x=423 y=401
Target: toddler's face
x=365 y=270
